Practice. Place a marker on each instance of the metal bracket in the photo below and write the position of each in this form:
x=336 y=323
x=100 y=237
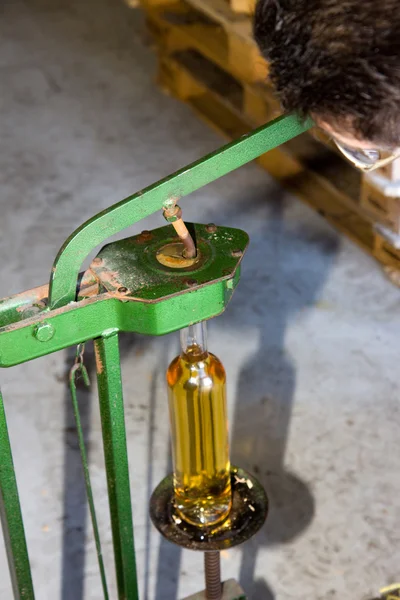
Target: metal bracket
x=127 y=289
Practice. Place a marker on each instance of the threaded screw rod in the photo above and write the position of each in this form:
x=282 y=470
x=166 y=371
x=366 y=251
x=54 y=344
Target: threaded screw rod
x=212 y=570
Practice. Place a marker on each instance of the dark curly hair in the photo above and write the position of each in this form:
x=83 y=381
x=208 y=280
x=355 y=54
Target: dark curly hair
x=337 y=60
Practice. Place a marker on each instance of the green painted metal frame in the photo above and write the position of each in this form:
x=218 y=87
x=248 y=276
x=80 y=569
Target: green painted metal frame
x=11 y=518
x=116 y=460
x=155 y=300
x=18 y=340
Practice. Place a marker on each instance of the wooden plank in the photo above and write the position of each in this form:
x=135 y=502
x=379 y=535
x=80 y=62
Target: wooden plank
x=391 y=171
x=220 y=12
x=293 y=172
x=387 y=254
x=381 y=202
x=260 y=104
x=177 y=25
x=242 y=6
x=151 y=4
x=226 y=12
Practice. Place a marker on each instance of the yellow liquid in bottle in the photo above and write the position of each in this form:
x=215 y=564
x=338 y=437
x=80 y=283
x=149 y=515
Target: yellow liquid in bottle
x=197 y=404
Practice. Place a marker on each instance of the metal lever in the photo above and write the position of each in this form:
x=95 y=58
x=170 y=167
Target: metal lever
x=66 y=267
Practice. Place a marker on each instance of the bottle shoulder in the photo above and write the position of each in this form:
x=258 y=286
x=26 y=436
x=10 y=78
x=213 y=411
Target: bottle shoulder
x=181 y=369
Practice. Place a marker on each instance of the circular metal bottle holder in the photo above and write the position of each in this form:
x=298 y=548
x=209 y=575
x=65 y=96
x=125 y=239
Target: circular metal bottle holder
x=248 y=513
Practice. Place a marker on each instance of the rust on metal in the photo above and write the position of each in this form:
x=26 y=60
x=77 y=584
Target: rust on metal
x=144 y=237
x=183 y=232
x=173 y=255
x=237 y=253
x=39 y=318
x=212 y=572
x=173 y=214
x=110 y=279
x=99 y=362
x=32 y=296
x=97 y=262
x=191 y=282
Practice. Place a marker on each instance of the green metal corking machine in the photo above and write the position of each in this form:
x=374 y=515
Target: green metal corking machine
x=131 y=286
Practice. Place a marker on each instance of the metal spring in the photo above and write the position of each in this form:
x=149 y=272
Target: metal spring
x=212 y=569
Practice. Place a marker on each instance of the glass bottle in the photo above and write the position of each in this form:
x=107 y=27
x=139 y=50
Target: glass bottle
x=199 y=429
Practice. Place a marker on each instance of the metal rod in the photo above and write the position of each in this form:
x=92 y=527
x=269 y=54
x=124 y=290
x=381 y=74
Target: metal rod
x=11 y=518
x=79 y=368
x=116 y=459
x=187 y=240
x=173 y=214
x=212 y=570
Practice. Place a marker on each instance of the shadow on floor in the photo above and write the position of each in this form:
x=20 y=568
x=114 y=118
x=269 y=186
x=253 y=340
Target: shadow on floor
x=286 y=268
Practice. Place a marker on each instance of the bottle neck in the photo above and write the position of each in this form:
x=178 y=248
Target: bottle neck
x=194 y=341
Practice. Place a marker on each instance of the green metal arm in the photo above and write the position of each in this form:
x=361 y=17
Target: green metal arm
x=142 y=204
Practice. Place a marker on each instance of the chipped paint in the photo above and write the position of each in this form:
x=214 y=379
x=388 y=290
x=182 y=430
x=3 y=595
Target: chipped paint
x=99 y=361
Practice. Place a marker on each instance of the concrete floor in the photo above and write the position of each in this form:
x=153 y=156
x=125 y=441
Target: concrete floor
x=310 y=340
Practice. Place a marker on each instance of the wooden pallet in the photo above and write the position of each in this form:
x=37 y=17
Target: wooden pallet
x=222 y=11
x=181 y=23
x=178 y=28
x=380 y=197
x=320 y=177
x=242 y=6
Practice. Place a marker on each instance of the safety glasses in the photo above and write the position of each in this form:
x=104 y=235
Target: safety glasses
x=366 y=159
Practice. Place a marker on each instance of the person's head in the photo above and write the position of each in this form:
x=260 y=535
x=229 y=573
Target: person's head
x=337 y=61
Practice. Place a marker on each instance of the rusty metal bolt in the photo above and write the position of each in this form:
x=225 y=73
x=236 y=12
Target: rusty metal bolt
x=42 y=303
x=237 y=253
x=97 y=262
x=145 y=236
x=44 y=332
x=190 y=282
x=211 y=228
x=122 y=290
x=172 y=214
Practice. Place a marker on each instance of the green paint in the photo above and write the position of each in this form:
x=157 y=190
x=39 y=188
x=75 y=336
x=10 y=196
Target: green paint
x=11 y=518
x=44 y=332
x=116 y=461
x=157 y=299
x=87 y=320
x=134 y=265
